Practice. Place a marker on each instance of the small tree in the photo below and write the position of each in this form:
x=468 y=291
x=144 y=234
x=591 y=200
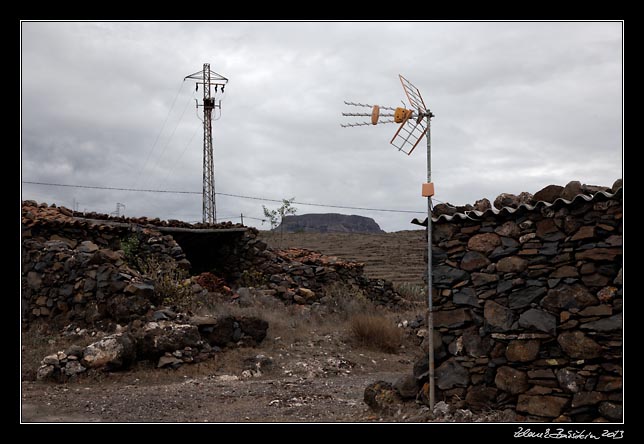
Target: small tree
x=276 y=217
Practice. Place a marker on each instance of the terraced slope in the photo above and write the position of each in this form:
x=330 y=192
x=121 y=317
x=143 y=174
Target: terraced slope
x=397 y=256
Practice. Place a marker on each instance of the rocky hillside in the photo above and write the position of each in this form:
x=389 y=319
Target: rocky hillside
x=329 y=223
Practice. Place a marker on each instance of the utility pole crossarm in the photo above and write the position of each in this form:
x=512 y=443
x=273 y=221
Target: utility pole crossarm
x=213 y=76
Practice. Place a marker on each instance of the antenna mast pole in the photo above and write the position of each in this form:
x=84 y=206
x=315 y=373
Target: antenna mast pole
x=430 y=314
x=208 y=78
x=411 y=130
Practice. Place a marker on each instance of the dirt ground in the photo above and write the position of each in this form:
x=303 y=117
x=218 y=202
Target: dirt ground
x=319 y=378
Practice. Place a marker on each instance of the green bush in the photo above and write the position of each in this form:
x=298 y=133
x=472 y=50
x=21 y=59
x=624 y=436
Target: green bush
x=131 y=246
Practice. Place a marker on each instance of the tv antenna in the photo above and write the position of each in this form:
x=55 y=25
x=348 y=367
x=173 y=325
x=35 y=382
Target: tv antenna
x=414 y=124
x=208 y=79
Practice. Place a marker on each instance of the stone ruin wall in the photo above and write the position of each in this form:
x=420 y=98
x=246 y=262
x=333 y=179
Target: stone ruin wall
x=72 y=270
x=76 y=270
x=528 y=310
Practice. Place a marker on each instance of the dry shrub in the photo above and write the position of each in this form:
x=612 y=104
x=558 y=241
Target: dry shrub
x=375 y=331
x=170 y=285
x=412 y=292
x=347 y=300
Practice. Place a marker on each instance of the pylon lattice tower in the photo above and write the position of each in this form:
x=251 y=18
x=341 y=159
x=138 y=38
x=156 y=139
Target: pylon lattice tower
x=208 y=79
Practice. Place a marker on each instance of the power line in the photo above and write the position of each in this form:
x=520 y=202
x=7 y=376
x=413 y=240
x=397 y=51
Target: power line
x=111 y=188
x=145 y=164
x=239 y=196
x=172 y=133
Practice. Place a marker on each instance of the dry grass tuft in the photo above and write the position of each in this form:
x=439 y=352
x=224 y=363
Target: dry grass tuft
x=37 y=343
x=376 y=331
x=412 y=292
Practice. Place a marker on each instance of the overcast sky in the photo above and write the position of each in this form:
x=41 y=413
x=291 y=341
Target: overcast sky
x=518 y=106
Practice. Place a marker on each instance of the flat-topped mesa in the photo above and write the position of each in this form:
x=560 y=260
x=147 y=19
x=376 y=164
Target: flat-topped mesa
x=329 y=223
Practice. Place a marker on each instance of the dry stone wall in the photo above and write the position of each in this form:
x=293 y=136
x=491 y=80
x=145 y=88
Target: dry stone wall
x=302 y=276
x=78 y=271
x=528 y=310
x=85 y=270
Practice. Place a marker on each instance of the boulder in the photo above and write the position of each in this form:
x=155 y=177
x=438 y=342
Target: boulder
x=217 y=331
x=124 y=308
x=87 y=247
x=607 y=383
x=497 y=316
x=512 y=264
x=578 y=346
x=482 y=205
x=611 y=411
x=569 y=380
x=254 y=328
x=548 y=406
x=546 y=228
x=473 y=260
x=113 y=352
x=421 y=368
x=506 y=200
x=565 y=297
x=451 y=374
x=586 y=398
x=73 y=368
x=599 y=254
x=484 y=242
x=549 y=193
x=444 y=276
x=613 y=323
x=45 y=371
x=565 y=271
x=452 y=318
x=522 y=350
x=508 y=229
x=584 y=233
x=480 y=279
x=525 y=296
x=572 y=189
x=157 y=338
x=511 y=380
x=466 y=296
x=473 y=344
x=34 y=280
x=407 y=386
x=480 y=397
x=381 y=397
x=538 y=319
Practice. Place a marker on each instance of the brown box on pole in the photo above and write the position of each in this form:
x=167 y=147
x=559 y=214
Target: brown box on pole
x=428 y=189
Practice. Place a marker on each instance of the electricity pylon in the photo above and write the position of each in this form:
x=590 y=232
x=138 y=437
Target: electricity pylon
x=208 y=79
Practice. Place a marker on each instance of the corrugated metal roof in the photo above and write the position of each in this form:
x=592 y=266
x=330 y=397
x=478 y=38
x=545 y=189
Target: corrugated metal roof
x=557 y=203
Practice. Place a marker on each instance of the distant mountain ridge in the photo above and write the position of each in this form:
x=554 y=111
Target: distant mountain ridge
x=329 y=223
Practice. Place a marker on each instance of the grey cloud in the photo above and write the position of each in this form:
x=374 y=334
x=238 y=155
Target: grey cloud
x=518 y=106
